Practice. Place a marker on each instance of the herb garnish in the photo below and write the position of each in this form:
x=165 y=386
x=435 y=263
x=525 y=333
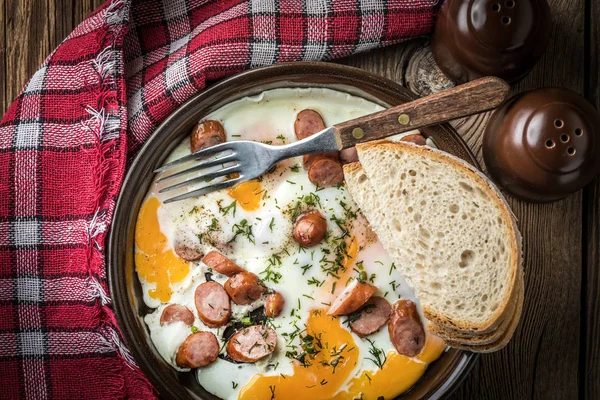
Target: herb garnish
x=232 y=206
x=379 y=357
x=244 y=229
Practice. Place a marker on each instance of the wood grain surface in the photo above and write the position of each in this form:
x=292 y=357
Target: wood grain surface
x=590 y=296
x=555 y=352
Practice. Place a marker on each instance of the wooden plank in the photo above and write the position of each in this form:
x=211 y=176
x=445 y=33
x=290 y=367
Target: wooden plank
x=542 y=359
x=27 y=27
x=67 y=14
x=590 y=368
x=3 y=78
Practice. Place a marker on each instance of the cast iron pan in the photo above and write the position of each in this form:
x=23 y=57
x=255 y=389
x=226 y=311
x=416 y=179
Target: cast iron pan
x=442 y=376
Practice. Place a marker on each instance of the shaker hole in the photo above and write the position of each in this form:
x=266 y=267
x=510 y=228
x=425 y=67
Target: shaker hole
x=549 y=143
x=506 y=20
x=564 y=138
x=578 y=132
x=496 y=7
x=509 y=3
x=559 y=123
x=571 y=151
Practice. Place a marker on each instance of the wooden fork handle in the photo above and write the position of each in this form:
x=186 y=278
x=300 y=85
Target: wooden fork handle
x=461 y=101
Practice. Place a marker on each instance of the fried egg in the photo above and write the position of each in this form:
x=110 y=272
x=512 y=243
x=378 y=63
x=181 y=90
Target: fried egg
x=252 y=224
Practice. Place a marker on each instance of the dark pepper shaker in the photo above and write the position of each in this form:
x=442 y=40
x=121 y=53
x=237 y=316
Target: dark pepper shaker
x=503 y=38
x=543 y=145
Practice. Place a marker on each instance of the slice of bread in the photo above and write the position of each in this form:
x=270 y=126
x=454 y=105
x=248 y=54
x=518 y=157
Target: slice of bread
x=355 y=171
x=447 y=226
x=456 y=338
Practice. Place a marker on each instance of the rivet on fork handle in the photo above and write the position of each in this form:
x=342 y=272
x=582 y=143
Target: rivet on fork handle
x=358 y=133
x=403 y=119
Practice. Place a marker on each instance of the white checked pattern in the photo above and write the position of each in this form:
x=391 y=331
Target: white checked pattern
x=36 y=83
x=26 y=233
x=28 y=290
x=263 y=53
x=28 y=135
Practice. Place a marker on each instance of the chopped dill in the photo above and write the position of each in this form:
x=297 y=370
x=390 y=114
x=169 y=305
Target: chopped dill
x=232 y=206
x=379 y=357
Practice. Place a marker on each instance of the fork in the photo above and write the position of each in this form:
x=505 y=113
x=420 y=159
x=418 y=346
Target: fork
x=249 y=160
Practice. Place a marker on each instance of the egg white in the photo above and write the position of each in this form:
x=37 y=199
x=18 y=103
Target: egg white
x=268 y=117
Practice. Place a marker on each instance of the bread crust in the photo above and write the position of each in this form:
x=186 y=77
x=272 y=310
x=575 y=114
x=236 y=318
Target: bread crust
x=504 y=330
x=508 y=333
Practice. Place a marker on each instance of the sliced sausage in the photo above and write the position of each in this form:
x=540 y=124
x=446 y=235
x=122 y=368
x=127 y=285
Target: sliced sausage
x=243 y=288
x=406 y=331
x=252 y=343
x=212 y=303
x=198 y=350
x=372 y=316
x=187 y=253
x=415 y=138
x=221 y=264
x=329 y=171
x=206 y=134
x=176 y=313
x=352 y=298
x=310 y=228
x=326 y=173
x=309 y=159
x=349 y=155
x=308 y=122
x=274 y=305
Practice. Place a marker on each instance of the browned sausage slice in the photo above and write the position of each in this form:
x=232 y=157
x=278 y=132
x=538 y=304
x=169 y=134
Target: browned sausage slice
x=212 y=303
x=274 y=305
x=309 y=159
x=176 y=312
x=252 y=343
x=372 y=316
x=308 y=122
x=349 y=155
x=310 y=228
x=415 y=138
x=352 y=298
x=221 y=264
x=243 y=288
x=187 y=253
x=198 y=350
x=206 y=134
x=326 y=173
x=406 y=331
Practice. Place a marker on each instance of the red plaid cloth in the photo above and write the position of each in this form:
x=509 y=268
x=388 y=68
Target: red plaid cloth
x=65 y=142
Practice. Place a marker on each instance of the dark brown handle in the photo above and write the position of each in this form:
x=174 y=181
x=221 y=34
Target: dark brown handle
x=471 y=98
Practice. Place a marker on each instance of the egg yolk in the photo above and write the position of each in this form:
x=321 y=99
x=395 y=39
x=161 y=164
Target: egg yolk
x=154 y=261
x=330 y=368
x=320 y=381
x=398 y=374
x=248 y=194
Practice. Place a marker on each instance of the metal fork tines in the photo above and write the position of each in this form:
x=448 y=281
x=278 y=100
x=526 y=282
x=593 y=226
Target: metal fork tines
x=248 y=159
x=213 y=163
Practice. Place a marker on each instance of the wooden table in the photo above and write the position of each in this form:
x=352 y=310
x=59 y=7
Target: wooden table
x=556 y=351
